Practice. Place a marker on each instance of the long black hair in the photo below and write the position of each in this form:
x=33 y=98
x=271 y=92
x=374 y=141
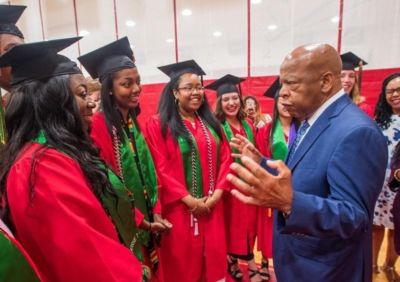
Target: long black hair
x=49 y=106
x=112 y=115
x=383 y=111
x=169 y=113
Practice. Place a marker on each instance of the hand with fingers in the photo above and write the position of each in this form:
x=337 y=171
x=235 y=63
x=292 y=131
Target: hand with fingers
x=164 y=224
x=254 y=185
x=197 y=207
x=245 y=148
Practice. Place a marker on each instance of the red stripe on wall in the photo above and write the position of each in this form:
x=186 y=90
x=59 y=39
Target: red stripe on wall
x=116 y=19
x=76 y=26
x=175 y=32
x=248 y=38
x=41 y=18
x=340 y=27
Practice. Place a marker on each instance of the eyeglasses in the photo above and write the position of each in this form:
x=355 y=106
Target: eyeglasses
x=391 y=91
x=191 y=89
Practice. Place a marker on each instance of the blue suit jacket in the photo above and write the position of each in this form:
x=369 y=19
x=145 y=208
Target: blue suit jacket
x=337 y=173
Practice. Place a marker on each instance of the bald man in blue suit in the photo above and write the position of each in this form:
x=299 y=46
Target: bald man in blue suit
x=325 y=192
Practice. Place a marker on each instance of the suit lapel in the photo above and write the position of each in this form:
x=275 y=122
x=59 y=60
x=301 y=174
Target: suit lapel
x=320 y=125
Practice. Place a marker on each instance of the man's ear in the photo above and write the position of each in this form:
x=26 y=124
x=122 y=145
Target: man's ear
x=327 y=82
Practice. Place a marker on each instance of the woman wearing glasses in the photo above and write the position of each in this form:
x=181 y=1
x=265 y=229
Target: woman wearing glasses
x=192 y=160
x=387 y=113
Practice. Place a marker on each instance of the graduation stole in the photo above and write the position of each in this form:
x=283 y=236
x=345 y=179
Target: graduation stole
x=229 y=134
x=119 y=206
x=3 y=131
x=14 y=266
x=279 y=146
x=191 y=161
x=136 y=168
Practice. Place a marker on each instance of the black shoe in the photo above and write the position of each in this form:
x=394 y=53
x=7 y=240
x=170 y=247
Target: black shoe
x=234 y=269
x=264 y=271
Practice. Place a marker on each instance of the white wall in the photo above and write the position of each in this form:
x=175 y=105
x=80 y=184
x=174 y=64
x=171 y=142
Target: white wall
x=371 y=29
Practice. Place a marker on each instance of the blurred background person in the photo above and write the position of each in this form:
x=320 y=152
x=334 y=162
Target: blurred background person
x=387 y=113
x=351 y=81
x=94 y=88
x=240 y=219
x=253 y=111
x=10 y=36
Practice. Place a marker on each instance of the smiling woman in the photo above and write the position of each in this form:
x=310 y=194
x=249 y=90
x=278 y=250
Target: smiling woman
x=192 y=160
x=50 y=173
x=387 y=116
x=116 y=133
x=241 y=219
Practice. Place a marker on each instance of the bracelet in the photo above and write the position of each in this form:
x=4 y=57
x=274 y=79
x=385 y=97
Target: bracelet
x=395 y=174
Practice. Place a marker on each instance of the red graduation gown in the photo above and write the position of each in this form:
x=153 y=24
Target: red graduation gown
x=103 y=140
x=240 y=219
x=188 y=256
x=61 y=224
x=265 y=219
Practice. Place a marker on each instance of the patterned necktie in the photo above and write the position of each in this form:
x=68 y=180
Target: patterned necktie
x=300 y=133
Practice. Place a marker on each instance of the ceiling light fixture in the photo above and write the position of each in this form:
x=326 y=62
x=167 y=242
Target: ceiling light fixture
x=186 y=12
x=217 y=34
x=335 y=19
x=130 y=23
x=84 y=32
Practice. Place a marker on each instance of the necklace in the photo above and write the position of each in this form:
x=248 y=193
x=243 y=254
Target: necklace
x=209 y=158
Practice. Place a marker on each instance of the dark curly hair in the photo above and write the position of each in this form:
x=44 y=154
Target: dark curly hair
x=383 y=111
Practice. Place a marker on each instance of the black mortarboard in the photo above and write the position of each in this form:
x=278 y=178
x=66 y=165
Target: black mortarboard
x=350 y=61
x=177 y=69
x=226 y=84
x=273 y=90
x=9 y=15
x=39 y=60
x=108 y=59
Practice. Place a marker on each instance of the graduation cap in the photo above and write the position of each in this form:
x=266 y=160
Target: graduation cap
x=108 y=59
x=177 y=69
x=273 y=90
x=226 y=84
x=9 y=15
x=39 y=60
x=350 y=61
